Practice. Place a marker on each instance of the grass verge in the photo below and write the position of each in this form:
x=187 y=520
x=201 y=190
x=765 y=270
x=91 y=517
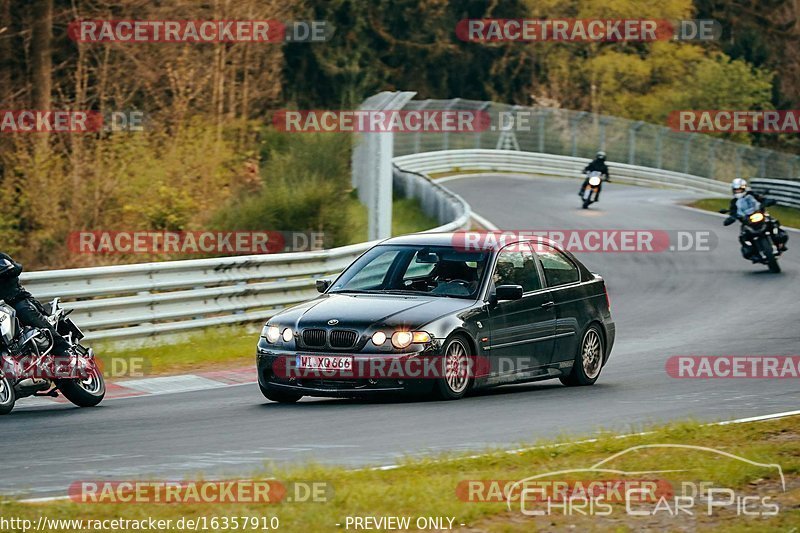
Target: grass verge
x=434 y=487
x=789 y=216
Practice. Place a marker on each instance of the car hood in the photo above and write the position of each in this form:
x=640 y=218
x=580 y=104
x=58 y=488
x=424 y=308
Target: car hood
x=360 y=311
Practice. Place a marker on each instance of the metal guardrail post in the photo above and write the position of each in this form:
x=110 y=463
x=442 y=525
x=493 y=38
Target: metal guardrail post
x=633 y=130
x=479 y=134
x=574 y=121
x=446 y=135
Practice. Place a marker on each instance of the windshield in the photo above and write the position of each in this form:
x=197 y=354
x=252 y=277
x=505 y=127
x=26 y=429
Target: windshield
x=404 y=269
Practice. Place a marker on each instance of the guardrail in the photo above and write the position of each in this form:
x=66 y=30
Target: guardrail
x=551 y=165
x=785 y=192
x=141 y=300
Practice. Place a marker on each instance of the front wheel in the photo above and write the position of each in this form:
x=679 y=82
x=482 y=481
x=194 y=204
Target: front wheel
x=7 y=396
x=456 y=380
x=772 y=261
x=86 y=392
x=588 y=361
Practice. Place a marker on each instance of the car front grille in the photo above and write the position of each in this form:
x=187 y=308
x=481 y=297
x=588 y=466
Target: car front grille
x=314 y=337
x=343 y=338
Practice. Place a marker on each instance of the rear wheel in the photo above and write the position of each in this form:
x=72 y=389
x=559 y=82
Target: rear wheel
x=588 y=361
x=86 y=392
x=7 y=396
x=457 y=379
x=279 y=396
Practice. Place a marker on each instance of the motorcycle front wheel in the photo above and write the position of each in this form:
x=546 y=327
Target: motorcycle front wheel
x=86 y=392
x=772 y=262
x=7 y=396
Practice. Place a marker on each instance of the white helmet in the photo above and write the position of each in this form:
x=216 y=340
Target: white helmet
x=739 y=187
x=601 y=155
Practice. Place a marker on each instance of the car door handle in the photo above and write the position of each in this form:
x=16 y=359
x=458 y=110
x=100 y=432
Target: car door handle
x=548 y=305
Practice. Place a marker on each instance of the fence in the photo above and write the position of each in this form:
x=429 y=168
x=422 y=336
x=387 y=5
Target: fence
x=581 y=134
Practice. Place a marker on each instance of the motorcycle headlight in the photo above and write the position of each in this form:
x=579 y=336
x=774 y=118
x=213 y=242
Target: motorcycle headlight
x=757 y=217
x=271 y=333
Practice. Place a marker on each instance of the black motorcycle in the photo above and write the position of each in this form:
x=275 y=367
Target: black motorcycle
x=758 y=236
x=30 y=369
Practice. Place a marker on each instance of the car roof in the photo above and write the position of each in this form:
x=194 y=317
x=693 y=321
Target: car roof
x=453 y=238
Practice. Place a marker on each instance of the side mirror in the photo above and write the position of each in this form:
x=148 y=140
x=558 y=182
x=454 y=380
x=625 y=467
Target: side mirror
x=322 y=285
x=508 y=292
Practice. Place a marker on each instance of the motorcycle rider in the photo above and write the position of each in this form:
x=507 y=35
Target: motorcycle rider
x=598 y=164
x=29 y=310
x=744 y=203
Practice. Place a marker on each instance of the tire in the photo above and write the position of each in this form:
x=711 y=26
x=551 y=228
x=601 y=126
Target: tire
x=588 y=361
x=586 y=203
x=84 y=392
x=456 y=381
x=772 y=262
x=279 y=396
x=7 y=396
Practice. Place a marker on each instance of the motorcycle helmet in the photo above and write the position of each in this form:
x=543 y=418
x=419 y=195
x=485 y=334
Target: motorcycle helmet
x=601 y=155
x=739 y=187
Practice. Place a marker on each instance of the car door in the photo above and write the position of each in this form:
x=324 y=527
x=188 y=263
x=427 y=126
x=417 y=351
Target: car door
x=521 y=331
x=562 y=278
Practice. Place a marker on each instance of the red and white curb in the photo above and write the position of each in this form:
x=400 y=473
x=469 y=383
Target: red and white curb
x=135 y=388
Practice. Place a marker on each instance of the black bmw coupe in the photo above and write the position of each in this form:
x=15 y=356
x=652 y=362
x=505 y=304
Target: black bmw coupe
x=441 y=313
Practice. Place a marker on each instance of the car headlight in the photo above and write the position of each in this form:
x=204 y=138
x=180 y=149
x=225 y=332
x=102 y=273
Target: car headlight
x=378 y=338
x=402 y=339
x=288 y=335
x=271 y=333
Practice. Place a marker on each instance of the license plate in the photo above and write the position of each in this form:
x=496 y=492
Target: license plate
x=325 y=362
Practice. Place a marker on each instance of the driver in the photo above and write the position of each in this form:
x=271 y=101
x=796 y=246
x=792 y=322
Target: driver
x=29 y=310
x=454 y=271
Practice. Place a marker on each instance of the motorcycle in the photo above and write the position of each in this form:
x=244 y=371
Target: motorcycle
x=757 y=236
x=30 y=369
x=589 y=194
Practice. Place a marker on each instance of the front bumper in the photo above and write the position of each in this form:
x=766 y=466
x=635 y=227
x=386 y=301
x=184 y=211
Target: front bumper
x=272 y=375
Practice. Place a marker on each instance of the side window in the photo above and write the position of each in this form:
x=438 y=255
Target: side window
x=516 y=266
x=558 y=270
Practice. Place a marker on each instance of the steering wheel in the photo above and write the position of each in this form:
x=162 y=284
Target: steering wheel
x=459 y=281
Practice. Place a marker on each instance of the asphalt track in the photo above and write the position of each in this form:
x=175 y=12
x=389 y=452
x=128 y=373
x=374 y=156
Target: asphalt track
x=671 y=303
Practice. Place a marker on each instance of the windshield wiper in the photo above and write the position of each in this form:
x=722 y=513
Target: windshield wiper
x=353 y=291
